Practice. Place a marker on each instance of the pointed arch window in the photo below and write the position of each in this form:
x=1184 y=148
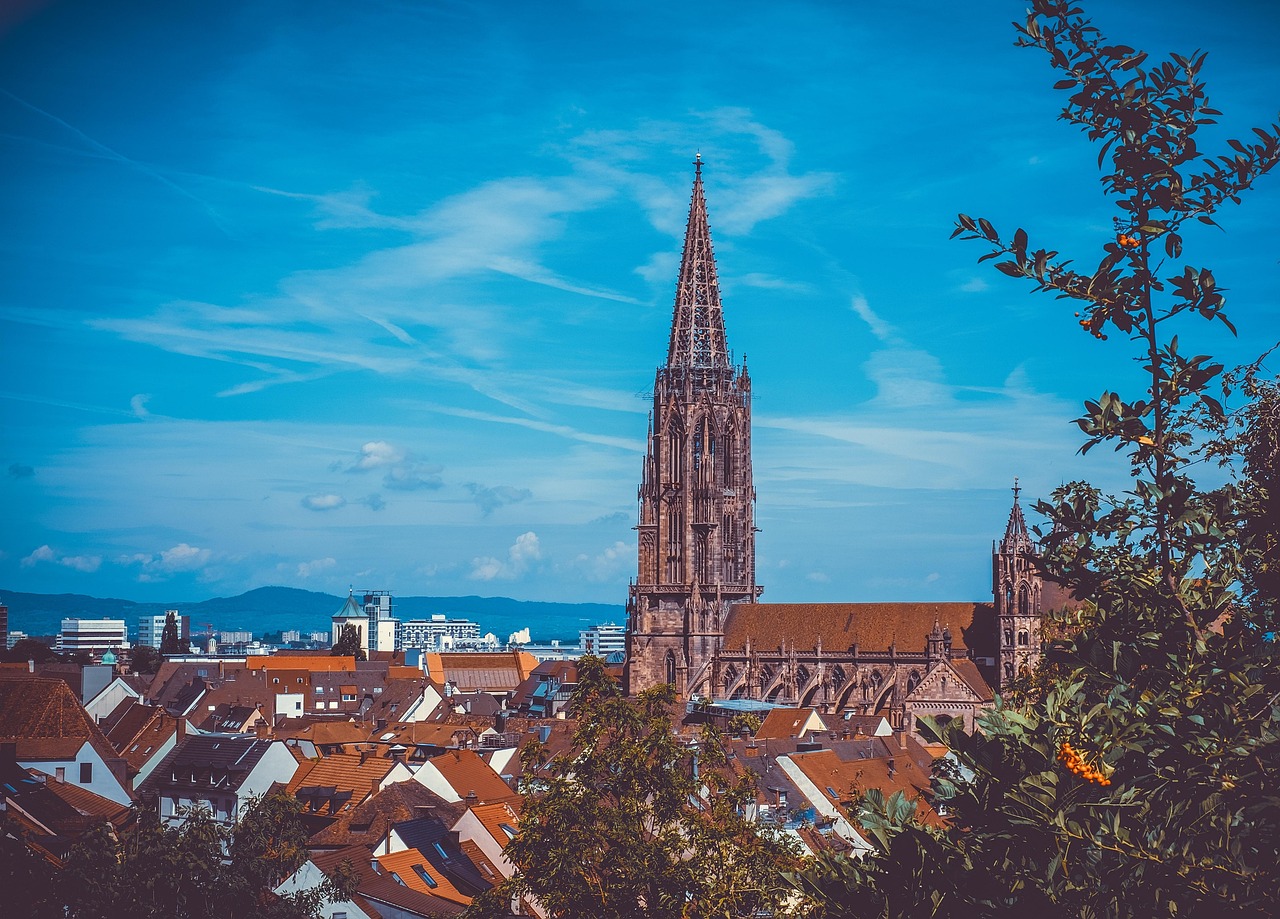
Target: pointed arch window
x=1023 y=638
x=1024 y=601
x=671 y=668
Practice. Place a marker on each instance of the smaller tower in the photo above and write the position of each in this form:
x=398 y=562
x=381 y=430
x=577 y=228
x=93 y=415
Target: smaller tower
x=1018 y=590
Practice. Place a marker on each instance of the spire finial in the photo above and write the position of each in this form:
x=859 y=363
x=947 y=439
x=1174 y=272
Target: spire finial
x=1016 y=488
x=697 y=165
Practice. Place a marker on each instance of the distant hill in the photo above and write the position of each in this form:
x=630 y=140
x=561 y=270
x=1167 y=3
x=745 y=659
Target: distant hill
x=270 y=609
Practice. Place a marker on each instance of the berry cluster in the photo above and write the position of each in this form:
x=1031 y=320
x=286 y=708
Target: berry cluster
x=1128 y=242
x=1075 y=764
x=1093 y=325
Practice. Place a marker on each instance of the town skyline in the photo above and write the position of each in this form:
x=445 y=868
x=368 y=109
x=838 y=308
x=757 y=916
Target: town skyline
x=376 y=300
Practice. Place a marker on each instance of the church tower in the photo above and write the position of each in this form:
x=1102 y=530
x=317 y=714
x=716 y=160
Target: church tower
x=1018 y=592
x=697 y=502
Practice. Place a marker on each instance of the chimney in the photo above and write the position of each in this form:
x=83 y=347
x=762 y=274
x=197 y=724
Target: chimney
x=31 y=666
x=374 y=786
x=182 y=729
x=472 y=799
x=261 y=728
x=902 y=740
x=893 y=768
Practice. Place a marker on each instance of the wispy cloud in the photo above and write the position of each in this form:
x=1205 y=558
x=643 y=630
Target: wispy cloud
x=489 y=499
x=328 y=502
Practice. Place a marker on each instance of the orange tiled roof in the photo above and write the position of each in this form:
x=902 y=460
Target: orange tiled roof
x=404 y=863
x=488 y=870
x=502 y=671
x=466 y=772
x=494 y=817
x=785 y=722
x=849 y=778
x=871 y=626
x=343 y=772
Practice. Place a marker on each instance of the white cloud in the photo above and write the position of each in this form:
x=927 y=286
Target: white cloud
x=162 y=565
x=609 y=565
x=45 y=553
x=323 y=502
x=403 y=471
x=522 y=555
x=818 y=577
x=42 y=554
x=974 y=286
x=139 y=404
x=307 y=569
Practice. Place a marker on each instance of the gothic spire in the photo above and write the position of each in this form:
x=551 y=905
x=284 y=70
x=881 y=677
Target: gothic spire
x=1016 y=530
x=697 y=324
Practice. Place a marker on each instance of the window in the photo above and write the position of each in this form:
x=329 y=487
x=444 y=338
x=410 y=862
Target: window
x=319 y=690
x=427 y=879
x=440 y=849
x=319 y=704
x=506 y=828
x=62 y=773
x=86 y=773
x=275 y=679
x=341 y=915
x=348 y=697
x=395 y=877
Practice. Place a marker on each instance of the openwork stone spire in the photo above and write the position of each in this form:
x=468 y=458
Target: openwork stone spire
x=1015 y=533
x=696 y=528
x=697 y=325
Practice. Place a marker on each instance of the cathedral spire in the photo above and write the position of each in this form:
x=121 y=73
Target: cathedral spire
x=1016 y=530
x=697 y=323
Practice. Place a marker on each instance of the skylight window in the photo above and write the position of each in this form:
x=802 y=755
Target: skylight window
x=506 y=828
x=427 y=879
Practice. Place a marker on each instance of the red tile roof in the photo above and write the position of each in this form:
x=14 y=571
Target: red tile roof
x=466 y=773
x=870 y=626
x=46 y=721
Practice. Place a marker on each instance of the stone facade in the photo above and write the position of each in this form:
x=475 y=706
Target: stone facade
x=694 y=620
x=696 y=534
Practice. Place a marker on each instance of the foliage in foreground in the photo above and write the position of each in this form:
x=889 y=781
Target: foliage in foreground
x=1140 y=778
x=632 y=822
x=196 y=871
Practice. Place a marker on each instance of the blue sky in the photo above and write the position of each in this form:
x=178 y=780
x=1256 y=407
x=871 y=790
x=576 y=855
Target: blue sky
x=319 y=294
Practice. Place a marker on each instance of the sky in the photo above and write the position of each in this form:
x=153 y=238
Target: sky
x=323 y=294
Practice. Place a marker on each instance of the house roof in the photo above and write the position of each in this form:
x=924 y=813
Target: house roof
x=498 y=672
x=845 y=780
x=380 y=887
x=231 y=756
x=495 y=818
x=137 y=748
x=410 y=866
x=45 y=720
x=787 y=722
x=369 y=821
x=870 y=626
x=467 y=773
x=338 y=782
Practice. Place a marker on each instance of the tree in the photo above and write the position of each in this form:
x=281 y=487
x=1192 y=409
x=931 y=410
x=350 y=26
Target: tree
x=30 y=649
x=633 y=822
x=144 y=659
x=199 y=870
x=27 y=878
x=1139 y=778
x=171 y=638
x=348 y=643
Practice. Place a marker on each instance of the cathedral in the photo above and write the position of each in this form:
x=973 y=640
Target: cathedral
x=694 y=616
